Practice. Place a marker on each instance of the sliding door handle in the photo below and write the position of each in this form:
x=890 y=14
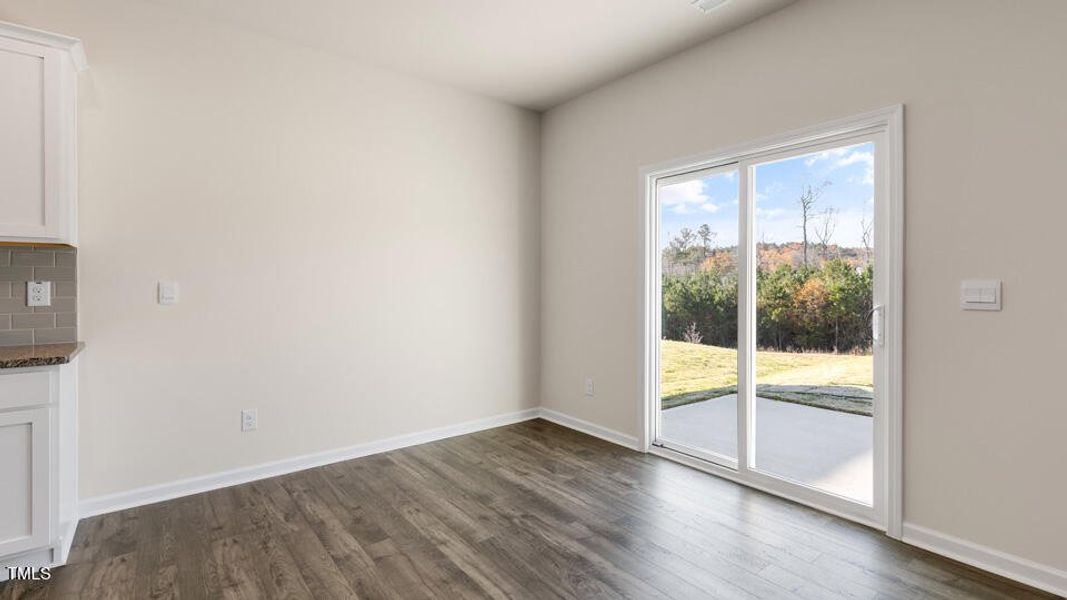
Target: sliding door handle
x=878 y=325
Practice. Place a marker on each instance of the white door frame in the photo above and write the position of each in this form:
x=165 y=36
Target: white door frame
x=886 y=128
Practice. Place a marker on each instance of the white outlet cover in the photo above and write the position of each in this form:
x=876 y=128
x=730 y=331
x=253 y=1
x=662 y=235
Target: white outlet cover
x=248 y=419
x=38 y=293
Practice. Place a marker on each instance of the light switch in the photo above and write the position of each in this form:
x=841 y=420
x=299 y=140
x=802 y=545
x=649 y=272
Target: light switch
x=168 y=292
x=980 y=294
x=38 y=293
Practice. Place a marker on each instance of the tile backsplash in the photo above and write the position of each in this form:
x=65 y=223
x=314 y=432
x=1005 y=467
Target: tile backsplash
x=22 y=325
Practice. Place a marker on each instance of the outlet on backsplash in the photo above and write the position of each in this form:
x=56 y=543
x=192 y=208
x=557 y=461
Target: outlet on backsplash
x=38 y=293
x=27 y=316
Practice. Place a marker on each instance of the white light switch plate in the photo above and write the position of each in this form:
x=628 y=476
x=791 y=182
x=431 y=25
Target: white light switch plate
x=168 y=292
x=980 y=294
x=38 y=293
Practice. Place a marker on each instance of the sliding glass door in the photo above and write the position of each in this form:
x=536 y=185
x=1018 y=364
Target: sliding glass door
x=814 y=366
x=698 y=228
x=768 y=307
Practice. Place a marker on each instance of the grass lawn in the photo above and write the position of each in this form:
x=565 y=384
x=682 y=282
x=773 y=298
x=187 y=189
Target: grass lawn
x=695 y=372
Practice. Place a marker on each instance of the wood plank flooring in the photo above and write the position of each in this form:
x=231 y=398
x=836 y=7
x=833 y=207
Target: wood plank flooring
x=531 y=510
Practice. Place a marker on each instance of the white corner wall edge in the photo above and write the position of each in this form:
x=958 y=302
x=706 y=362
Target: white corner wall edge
x=1043 y=577
x=592 y=429
x=99 y=505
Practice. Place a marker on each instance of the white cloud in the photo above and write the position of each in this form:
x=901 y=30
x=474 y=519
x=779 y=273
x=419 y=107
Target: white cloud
x=864 y=158
x=682 y=198
x=823 y=156
x=843 y=157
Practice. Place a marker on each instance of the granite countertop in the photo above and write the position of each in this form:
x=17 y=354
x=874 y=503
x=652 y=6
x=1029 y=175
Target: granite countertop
x=12 y=357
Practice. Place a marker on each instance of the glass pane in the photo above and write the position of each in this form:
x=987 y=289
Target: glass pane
x=814 y=276
x=698 y=352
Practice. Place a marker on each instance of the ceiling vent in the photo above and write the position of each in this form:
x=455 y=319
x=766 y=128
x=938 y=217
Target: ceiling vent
x=707 y=6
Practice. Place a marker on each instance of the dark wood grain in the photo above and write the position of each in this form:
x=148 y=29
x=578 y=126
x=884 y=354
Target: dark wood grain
x=532 y=510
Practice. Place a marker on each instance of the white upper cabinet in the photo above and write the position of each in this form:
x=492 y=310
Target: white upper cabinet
x=38 y=167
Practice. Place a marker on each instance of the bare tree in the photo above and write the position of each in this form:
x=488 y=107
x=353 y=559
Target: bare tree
x=867 y=237
x=692 y=335
x=824 y=229
x=683 y=240
x=807 y=202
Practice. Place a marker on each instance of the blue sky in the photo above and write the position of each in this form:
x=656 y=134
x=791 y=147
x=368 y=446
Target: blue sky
x=713 y=199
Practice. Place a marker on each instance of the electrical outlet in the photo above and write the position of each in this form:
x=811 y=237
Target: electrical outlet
x=248 y=419
x=38 y=293
x=590 y=387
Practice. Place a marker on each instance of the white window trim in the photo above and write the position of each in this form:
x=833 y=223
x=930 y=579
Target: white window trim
x=887 y=123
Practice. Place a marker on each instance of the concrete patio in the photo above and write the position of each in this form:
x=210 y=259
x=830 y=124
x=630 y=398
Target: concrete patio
x=823 y=448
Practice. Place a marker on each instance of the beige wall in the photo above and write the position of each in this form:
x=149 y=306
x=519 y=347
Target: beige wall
x=984 y=86
x=357 y=251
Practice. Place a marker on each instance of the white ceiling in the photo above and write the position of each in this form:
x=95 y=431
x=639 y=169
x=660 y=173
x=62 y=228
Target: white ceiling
x=532 y=53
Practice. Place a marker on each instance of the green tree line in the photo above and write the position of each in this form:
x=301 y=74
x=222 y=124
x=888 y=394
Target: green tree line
x=824 y=307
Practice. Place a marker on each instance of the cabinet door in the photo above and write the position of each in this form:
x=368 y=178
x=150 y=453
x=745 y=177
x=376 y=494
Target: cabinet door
x=25 y=485
x=32 y=126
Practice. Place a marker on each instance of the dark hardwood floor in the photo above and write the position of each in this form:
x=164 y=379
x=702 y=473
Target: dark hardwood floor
x=527 y=511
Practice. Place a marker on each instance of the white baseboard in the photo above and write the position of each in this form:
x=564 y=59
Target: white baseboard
x=1013 y=567
x=592 y=429
x=99 y=505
